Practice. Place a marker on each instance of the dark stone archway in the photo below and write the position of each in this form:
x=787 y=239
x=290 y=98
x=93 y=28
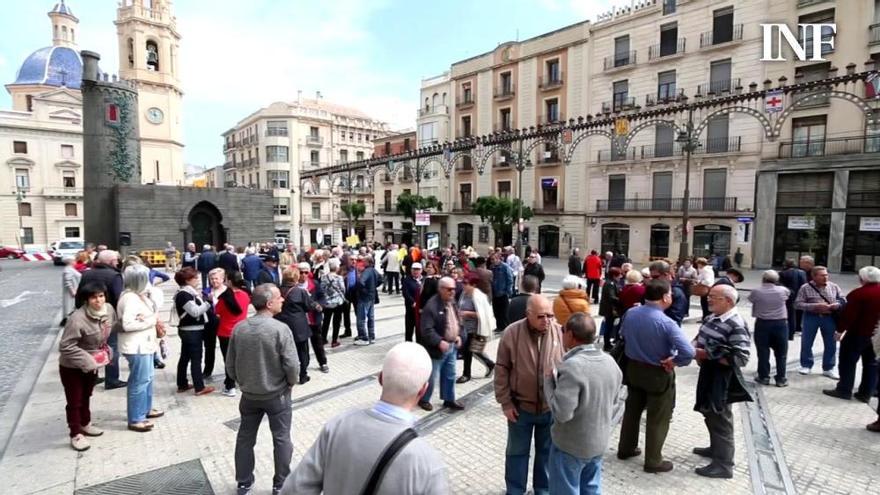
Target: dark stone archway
x=205 y=226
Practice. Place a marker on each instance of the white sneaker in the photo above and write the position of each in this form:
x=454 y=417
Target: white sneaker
x=361 y=342
x=804 y=371
x=229 y=392
x=90 y=430
x=79 y=443
x=831 y=374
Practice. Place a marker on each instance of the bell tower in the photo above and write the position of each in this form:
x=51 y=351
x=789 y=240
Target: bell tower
x=149 y=52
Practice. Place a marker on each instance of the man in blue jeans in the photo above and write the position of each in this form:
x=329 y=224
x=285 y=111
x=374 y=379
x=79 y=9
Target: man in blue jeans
x=529 y=349
x=586 y=395
x=365 y=289
x=819 y=299
x=440 y=331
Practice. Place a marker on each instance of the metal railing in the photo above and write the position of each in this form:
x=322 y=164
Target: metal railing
x=619 y=60
x=663 y=98
x=228 y=166
x=614 y=156
x=727 y=144
x=551 y=119
x=314 y=140
x=504 y=92
x=619 y=104
x=664 y=50
x=502 y=126
x=433 y=110
x=712 y=38
x=848 y=145
x=461 y=205
x=667 y=204
x=660 y=150
x=550 y=82
x=318 y=218
x=547 y=157
x=465 y=100
x=62 y=191
x=718 y=87
x=276 y=131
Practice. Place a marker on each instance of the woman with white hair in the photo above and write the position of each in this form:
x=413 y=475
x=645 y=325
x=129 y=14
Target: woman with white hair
x=333 y=287
x=138 y=341
x=70 y=279
x=572 y=299
x=633 y=292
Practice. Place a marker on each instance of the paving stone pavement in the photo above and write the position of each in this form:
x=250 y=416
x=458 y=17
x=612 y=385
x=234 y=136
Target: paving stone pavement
x=825 y=445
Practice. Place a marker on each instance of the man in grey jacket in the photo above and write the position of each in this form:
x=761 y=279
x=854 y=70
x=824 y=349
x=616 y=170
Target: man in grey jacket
x=262 y=360
x=586 y=396
x=343 y=457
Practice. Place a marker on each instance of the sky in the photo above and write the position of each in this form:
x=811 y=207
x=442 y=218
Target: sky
x=239 y=56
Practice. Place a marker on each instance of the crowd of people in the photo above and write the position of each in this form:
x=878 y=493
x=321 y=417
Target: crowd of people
x=561 y=379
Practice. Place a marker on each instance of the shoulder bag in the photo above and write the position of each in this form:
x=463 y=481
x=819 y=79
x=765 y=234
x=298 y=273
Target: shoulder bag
x=841 y=301
x=391 y=451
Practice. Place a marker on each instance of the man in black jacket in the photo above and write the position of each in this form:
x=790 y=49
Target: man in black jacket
x=576 y=264
x=441 y=336
x=412 y=288
x=228 y=261
x=792 y=278
x=533 y=267
x=104 y=271
x=206 y=262
x=269 y=273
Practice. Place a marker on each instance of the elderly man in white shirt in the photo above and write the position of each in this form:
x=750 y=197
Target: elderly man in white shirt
x=706 y=277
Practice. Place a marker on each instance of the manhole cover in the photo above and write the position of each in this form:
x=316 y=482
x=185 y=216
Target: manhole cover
x=186 y=478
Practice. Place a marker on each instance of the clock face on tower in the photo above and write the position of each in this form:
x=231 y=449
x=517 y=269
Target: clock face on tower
x=155 y=116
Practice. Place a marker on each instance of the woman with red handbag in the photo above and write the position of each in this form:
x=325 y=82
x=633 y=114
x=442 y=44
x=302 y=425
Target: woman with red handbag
x=83 y=350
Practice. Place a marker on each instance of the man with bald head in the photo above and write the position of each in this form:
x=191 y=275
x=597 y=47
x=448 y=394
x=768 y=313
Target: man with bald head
x=722 y=349
x=441 y=336
x=529 y=349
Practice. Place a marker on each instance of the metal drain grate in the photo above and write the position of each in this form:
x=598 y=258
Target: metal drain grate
x=186 y=478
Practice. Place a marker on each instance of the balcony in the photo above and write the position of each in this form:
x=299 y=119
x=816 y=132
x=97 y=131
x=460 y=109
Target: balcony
x=435 y=110
x=548 y=157
x=504 y=92
x=619 y=61
x=315 y=193
x=807 y=3
x=406 y=176
x=542 y=208
x=314 y=140
x=362 y=190
x=311 y=164
x=619 y=104
x=716 y=88
x=729 y=144
x=277 y=131
x=666 y=204
x=387 y=179
x=323 y=218
x=552 y=118
x=851 y=145
x=464 y=165
x=663 y=50
x=228 y=166
x=605 y=156
x=464 y=101
x=660 y=151
x=663 y=98
x=715 y=38
x=462 y=205
x=63 y=192
x=228 y=146
x=502 y=127
x=546 y=83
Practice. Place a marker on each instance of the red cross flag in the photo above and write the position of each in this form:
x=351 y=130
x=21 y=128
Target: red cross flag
x=773 y=101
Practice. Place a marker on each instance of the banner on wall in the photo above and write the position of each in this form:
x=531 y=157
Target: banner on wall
x=801 y=223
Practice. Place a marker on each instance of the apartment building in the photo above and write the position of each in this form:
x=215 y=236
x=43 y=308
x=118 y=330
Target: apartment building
x=270 y=147
x=818 y=188
x=646 y=58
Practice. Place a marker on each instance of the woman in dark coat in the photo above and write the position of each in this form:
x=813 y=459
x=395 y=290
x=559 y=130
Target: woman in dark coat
x=294 y=313
x=609 y=306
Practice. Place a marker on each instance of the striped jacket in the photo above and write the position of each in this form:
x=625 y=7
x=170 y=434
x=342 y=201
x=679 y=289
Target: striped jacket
x=727 y=336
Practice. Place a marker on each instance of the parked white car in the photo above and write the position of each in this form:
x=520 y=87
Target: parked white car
x=67 y=247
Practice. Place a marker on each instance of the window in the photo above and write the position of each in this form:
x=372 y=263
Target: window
x=24 y=210
x=554 y=74
x=621 y=51
x=29 y=100
x=669 y=39
x=19 y=147
x=315 y=158
x=620 y=91
x=666 y=86
x=360 y=136
x=808 y=136
x=504 y=120
x=280 y=206
x=406 y=144
x=722 y=25
x=28 y=237
x=277 y=179
x=662 y=191
x=313 y=132
x=616 y=191
x=718 y=139
x=551 y=109
x=258 y=179
x=387 y=200
x=276 y=128
x=343 y=156
x=811 y=73
x=22 y=179
x=824 y=17
x=112 y=113
x=68 y=178
x=504 y=189
x=69 y=209
x=465 y=126
x=71 y=231
x=719 y=76
x=316 y=211
x=67 y=151
x=506 y=83
x=467 y=95
x=714 y=188
x=275 y=154
x=359 y=155
x=549 y=193
x=464 y=192
x=664 y=141
x=668 y=7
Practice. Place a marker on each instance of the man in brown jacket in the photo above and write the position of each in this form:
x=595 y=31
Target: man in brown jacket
x=529 y=349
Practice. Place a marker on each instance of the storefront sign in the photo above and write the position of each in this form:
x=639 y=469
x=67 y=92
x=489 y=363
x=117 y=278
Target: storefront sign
x=869 y=224
x=801 y=223
x=423 y=219
x=432 y=240
x=745 y=219
x=549 y=183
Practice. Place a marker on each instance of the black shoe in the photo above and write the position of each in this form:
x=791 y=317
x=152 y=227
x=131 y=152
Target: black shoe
x=99 y=380
x=111 y=386
x=714 y=471
x=489 y=371
x=861 y=398
x=837 y=394
x=762 y=381
x=703 y=451
x=426 y=406
x=463 y=379
x=663 y=467
x=304 y=379
x=627 y=455
x=453 y=405
x=159 y=365
x=781 y=382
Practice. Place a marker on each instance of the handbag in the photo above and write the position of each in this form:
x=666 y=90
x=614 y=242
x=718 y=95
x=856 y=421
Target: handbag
x=102 y=356
x=378 y=471
x=477 y=343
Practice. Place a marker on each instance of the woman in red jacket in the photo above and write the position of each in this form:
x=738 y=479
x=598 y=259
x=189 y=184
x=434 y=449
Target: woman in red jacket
x=232 y=308
x=633 y=292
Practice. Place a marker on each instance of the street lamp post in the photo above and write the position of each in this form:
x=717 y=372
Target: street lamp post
x=689 y=144
x=419 y=195
x=20 y=195
x=521 y=164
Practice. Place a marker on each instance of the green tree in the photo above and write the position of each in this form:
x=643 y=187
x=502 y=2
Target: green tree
x=408 y=204
x=354 y=211
x=500 y=213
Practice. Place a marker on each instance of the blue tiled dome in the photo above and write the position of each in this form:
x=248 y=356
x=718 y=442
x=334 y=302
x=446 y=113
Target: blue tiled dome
x=52 y=66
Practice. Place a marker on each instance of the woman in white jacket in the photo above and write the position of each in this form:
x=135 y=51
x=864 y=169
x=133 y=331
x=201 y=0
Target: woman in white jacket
x=477 y=321
x=138 y=341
